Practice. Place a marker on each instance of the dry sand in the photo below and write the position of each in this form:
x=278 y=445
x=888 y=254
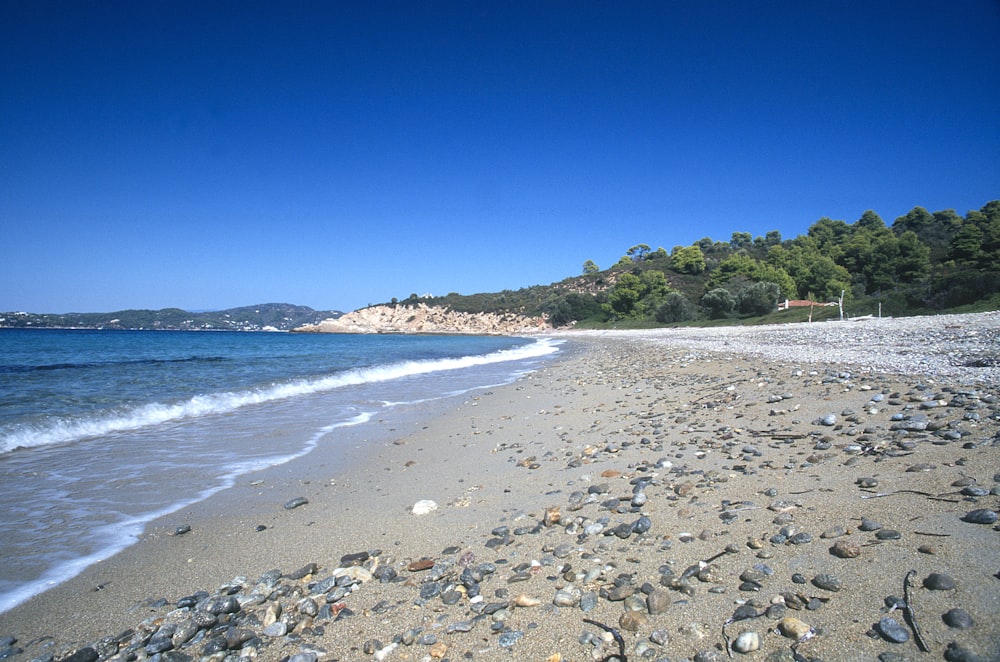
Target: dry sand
x=725 y=467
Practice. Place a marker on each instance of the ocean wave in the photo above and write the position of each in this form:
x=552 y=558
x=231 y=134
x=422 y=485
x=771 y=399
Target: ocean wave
x=112 y=538
x=59 y=430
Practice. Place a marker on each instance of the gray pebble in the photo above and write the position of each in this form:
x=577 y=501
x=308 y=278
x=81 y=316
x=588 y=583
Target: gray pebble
x=508 y=639
x=957 y=618
x=827 y=582
x=959 y=653
x=938 y=581
x=981 y=516
x=296 y=502
x=869 y=525
x=893 y=631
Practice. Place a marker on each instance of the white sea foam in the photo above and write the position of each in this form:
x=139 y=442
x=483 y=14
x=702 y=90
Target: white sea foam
x=62 y=430
x=117 y=536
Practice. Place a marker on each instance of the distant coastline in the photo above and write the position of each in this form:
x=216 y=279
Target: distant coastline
x=262 y=317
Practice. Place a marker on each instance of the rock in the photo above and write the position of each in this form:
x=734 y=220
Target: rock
x=846 y=549
x=827 y=582
x=85 y=654
x=747 y=642
x=957 y=618
x=423 y=507
x=422 y=564
x=508 y=639
x=422 y=318
x=793 y=628
x=295 y=503
x=958 y=653
x=524 y=600
x=633 y=620
x=568 y=596
x=869 y=525
x=657 y=602
x=356 y=558
x=938 y=581
x=889 y=628
x=980 y=516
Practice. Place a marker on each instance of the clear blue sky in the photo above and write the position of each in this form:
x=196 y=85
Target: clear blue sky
x=207 y=155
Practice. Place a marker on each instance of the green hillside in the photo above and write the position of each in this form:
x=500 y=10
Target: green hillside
x=922 y=263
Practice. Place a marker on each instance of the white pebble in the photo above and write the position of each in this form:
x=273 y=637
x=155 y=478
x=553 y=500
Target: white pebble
x=423 y=507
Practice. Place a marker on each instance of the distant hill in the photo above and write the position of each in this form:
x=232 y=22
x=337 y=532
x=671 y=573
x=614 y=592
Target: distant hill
x=921 y=263
x=263 y=317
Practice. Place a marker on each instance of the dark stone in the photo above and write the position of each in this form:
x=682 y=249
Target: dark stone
x=827 y=582
x=890 y=629
x=85 y=654
x=957 y=618
x=980 y=516
x=296 y=502
x=348 y=560
x=304 y=571
x=938 y=581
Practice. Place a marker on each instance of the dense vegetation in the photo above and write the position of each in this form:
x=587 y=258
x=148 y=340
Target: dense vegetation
x=923 y=263
x=281 y=316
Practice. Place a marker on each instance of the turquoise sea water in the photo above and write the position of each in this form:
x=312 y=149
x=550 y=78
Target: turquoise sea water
x=103 y=431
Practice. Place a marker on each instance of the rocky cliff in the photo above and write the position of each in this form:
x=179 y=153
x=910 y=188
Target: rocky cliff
x=426 y=319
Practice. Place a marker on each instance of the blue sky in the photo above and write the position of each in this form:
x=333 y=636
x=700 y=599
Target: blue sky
x=207 y=155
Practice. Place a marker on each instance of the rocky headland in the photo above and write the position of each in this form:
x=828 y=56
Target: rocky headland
x=422 y=318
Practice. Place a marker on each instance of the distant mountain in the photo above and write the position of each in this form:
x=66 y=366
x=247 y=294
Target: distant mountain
x=264 y=317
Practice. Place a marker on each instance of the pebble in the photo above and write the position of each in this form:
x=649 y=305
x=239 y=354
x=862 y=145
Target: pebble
x=938 y=581
x=889 y=628
x=869 y=525
x=957 y=618
x=981 y=516
x=846 y=549
x=567 y=597
x=827 y=582
x=955 y=652
x=747 y=642
x=508 y=639
x=423 y=507
x=793 y=628
x=296 y=502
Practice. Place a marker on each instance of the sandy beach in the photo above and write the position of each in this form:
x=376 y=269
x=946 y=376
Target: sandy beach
x=706 y=494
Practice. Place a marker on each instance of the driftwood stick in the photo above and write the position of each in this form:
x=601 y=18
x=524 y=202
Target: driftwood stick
x=909 y=613
x=614 y=633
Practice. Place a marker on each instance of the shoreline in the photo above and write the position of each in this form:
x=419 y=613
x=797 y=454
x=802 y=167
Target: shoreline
x=698 y=433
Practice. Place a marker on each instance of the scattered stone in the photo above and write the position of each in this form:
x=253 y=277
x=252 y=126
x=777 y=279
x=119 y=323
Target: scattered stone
x=981 y=516
x=889 y=628
x=423 y=507
x=747 y=642
x=846 y=549
x=295 y=503
x=827 y=582
x=939 y=581
x=793 y=628
x=957 y=618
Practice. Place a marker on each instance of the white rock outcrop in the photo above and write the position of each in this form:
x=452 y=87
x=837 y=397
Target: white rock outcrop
x=422 y=318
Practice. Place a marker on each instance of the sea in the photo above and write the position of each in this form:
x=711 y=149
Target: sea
x=103 y=431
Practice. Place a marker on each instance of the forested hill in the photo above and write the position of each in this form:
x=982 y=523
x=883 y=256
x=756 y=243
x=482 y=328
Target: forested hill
x=268 y=316
x=923 y=262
